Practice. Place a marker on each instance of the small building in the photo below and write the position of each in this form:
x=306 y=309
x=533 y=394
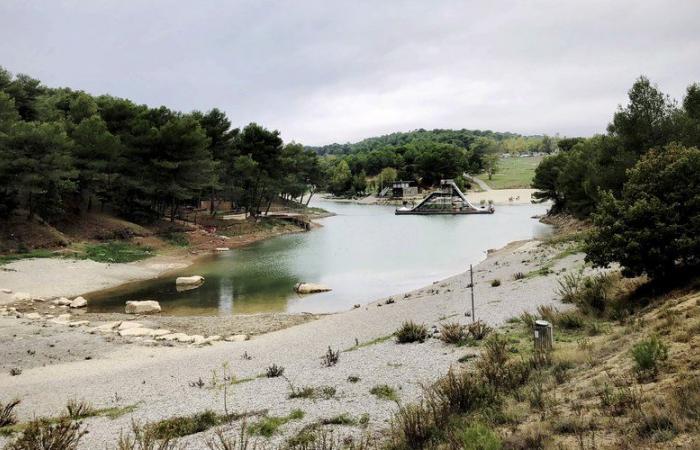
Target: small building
x=402 y=189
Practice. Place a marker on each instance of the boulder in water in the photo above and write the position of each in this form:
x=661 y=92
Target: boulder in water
x=142 y=307
x=310 y=288
x=189 y=281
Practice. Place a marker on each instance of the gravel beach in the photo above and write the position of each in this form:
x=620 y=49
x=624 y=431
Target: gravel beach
x=162 y=381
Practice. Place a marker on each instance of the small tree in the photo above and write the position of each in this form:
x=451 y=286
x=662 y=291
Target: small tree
x=654 y=228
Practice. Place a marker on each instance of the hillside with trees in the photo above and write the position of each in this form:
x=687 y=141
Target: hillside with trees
x=64 y=152
x=639 y=184
x=423 y=156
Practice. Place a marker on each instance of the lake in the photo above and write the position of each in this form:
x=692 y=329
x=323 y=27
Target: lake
x=363 y=253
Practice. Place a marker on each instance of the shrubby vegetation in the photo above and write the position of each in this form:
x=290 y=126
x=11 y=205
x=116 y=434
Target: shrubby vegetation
x=640 y=183
x=64 y=151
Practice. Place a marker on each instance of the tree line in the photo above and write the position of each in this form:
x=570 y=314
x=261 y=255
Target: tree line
x=639 y=183
x=422 y=156
x=64 y=151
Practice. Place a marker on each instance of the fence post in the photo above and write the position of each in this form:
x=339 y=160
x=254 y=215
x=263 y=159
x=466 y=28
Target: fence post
x=543 y=335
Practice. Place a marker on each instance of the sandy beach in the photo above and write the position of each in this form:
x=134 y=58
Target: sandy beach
x=59 y=362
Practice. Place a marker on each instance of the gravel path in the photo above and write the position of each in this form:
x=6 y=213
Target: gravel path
x=158 y=379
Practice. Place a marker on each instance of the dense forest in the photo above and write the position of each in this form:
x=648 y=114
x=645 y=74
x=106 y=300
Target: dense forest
x=639 y=183
x=64 y=151
x=423 y=156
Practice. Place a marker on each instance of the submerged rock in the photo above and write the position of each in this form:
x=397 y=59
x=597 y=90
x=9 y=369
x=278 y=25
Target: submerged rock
x=142 y=307
x=187 y=281
x=310 y=288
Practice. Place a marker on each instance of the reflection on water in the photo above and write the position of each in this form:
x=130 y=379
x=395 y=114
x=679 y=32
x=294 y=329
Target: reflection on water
x=363 y=253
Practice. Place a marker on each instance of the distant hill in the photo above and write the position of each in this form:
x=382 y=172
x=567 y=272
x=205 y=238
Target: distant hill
x=462 y=138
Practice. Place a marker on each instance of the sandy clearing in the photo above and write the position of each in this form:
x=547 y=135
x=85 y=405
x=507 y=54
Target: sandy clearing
x=55 y=277
x=503 y=196
x=159 y=378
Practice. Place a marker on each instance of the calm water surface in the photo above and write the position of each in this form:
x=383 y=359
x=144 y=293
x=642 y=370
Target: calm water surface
x=363 y=253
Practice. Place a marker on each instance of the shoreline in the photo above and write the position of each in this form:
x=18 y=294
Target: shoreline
x=49 y=379
x=499 y=197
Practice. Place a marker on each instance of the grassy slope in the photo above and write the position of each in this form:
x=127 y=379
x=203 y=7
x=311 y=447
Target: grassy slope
x=513 y=173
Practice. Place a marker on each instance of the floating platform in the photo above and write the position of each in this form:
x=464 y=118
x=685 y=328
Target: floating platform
x=449 y=199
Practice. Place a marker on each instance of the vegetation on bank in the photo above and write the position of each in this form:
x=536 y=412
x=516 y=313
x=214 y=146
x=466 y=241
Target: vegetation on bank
x=65 y=151
x=639 y=184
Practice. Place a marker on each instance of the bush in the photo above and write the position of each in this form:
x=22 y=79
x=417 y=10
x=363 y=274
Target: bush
x=384 y=392
x=461 y=392
x=117 y=252
x=79 y=409
x=176 y=427
x=411 y=332
x=518 y=276
x=7 y=413
x=330 y=358
x=453 y=333
x=476 y=437
x=479 y=330
x=591 y=294
x=648 y=354
x=497 y=367
x=495 y=283
x=274 y=371
x=652 y=229
x=45 y=434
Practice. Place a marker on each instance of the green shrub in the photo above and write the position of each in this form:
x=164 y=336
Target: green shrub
x=175 y=427
x=79 y=409
x=477 y=437
x=498 y=368
x=269 y=425
x=478 y=330
x=411 y=332
x=384 y=392
x=648 y=355
x=176 y=238
x=330 y=358
x=495 y=283
x=45 y=434
x=117 y=252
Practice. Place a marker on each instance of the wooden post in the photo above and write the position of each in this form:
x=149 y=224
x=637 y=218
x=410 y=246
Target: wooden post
x=543 y=335
x=471 y=283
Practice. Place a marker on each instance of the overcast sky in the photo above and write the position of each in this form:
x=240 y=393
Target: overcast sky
x=336 y=71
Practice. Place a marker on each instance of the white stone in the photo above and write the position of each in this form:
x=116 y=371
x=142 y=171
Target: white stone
x=79 y=323
x=22 y=296
x=127 y=325
x=198 y=339
x=142 y=307
x=237 y=338
x=62 y=302
x=64 y=317
x=139 y=331
x=6 y=291
x=160 y=332
x=33 y=316
x=39 y=299
x=222 y=249
x=105 y=328
x=182 y=337
x=169 y=337
x=310 y=288
x=195 y=279
x=78 y=302
x=59 y=321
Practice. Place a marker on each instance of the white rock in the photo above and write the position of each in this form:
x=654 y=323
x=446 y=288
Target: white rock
x=142 y=307
x=169 y=337
x=237 y=338
x=22 y=296
x=160 y=332
x=33 y=316
x=78 y=302
x=139 y=331
x=62 y=302
x=195 y=279
x=6 y=291
x=39 y=299
x=310 y=288
x=59 y=321
x=182 y=337
x=127 y=325
x=222 y=249
x=64 y=317
x=79 y=323
x=198 y=339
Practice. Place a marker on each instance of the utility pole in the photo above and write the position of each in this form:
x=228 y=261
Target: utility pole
x=471 y=284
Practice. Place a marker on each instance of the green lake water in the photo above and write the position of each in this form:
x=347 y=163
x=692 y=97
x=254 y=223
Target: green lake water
x=364 y=252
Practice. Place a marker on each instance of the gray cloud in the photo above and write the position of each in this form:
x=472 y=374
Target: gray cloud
x=324 y=71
